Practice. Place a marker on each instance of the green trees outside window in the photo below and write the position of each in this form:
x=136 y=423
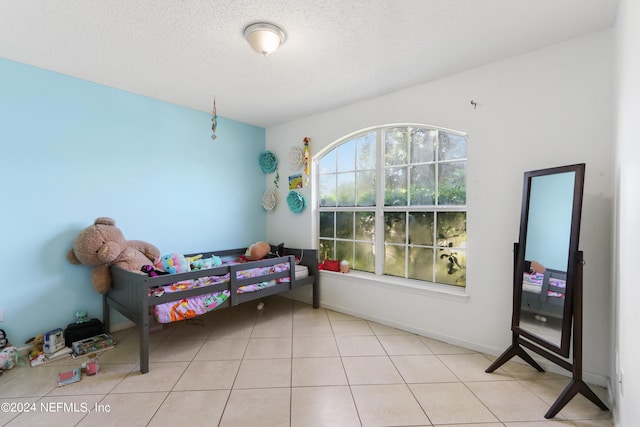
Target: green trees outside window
x=392 y=201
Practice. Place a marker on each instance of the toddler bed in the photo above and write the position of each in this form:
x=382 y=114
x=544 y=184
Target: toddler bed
x=174 y=297
x=544 y=294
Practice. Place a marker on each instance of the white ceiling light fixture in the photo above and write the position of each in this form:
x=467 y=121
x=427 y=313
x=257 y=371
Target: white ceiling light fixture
x=264 y=38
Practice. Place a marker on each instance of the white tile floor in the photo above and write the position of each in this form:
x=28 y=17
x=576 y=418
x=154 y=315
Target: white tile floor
x=290 y=365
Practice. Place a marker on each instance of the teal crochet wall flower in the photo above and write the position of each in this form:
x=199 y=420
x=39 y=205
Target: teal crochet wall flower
x=295 y=202
x=268 y=162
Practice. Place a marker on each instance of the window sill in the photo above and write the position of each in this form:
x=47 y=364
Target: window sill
x=452 y=293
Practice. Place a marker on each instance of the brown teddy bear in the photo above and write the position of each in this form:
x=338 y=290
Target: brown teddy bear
x=102 y=245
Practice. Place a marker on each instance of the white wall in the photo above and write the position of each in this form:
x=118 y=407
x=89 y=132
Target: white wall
x=549 y=107
x=627 y=172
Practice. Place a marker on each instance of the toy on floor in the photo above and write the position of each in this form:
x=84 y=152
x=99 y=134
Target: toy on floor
x=91 y=366
x=82 y=316
x=3 y=339
x=8 y=358
x=53 y=341
x=37 y=346
x=68 y=377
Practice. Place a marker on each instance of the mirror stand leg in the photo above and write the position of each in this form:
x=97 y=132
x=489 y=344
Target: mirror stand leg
x=514 y=350
x=574 y=387
x=503 y=358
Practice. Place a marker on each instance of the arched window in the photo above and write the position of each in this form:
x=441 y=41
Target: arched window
x=392 y=201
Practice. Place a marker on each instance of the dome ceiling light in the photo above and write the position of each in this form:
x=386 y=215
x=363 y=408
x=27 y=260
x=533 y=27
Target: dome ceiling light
x=264 y=38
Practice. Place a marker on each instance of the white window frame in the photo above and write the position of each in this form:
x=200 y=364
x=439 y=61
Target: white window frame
x=381 y=209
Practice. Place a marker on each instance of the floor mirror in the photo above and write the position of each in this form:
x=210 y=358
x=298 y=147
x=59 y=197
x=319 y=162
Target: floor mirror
x=547 y=278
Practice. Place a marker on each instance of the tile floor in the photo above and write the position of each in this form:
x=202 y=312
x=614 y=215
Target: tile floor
x=290 y=365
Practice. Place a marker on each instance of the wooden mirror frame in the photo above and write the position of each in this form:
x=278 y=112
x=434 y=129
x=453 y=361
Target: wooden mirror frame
x=567 y=311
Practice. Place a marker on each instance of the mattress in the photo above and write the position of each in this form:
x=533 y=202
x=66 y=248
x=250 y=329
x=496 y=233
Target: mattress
x=302 y=271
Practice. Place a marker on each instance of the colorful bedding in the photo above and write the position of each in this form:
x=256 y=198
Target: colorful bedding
x=533 y=283
x=190 y=307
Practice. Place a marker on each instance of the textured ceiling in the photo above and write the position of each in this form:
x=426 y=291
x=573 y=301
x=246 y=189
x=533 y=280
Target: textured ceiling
x=337 y=51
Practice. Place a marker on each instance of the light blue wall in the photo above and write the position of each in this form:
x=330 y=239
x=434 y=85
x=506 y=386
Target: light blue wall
x=72 y=151
x=549 y=224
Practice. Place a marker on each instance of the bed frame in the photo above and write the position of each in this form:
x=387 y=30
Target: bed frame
x=543 y=304
x=129 y=293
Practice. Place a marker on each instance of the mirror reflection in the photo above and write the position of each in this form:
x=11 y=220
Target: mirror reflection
x=546 y=255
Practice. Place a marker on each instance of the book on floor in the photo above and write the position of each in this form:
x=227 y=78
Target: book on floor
x=43 y=358
x=68 y=377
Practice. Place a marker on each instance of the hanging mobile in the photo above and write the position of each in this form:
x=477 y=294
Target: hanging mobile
x=214 y=120
x=306 y=154
x=307 y=159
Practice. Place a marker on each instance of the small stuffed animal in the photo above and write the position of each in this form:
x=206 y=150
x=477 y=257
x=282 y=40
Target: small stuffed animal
x=8 y=358
x=201 y=263
x=102 y=244
x=190 y=259
x=172 y=263
x=37 y=346
x=82 y=316
x=150 y=271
